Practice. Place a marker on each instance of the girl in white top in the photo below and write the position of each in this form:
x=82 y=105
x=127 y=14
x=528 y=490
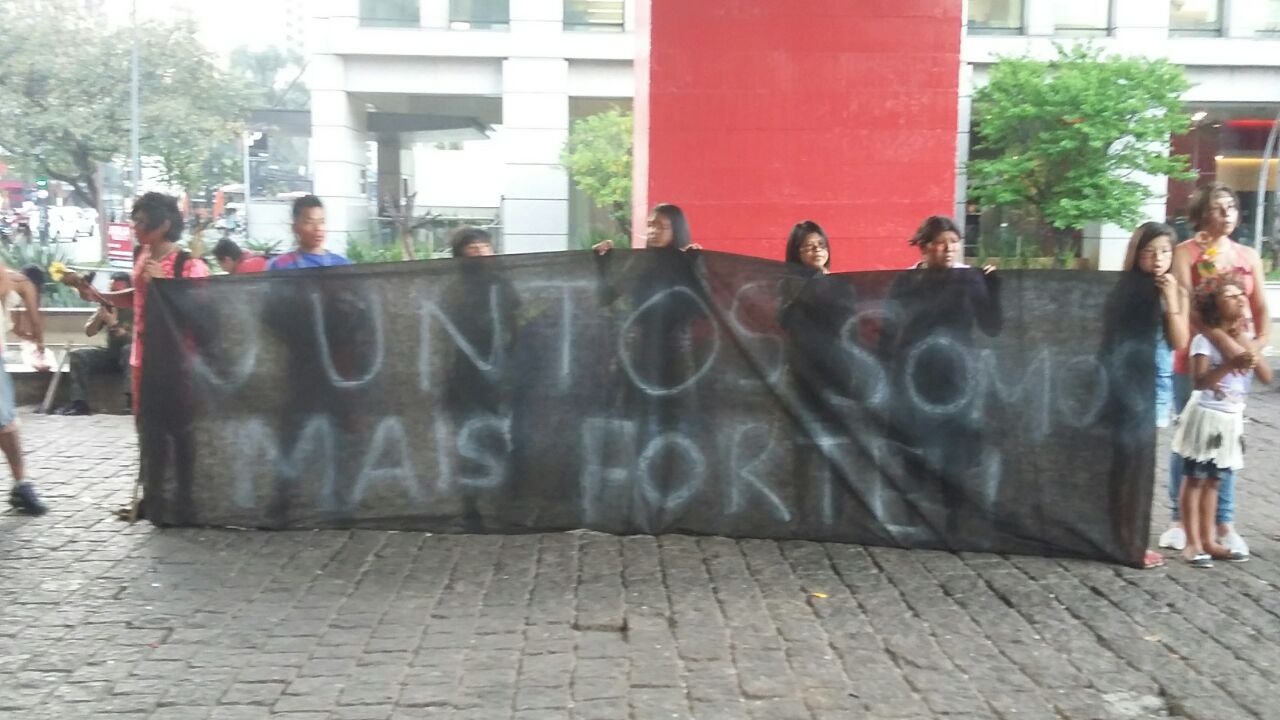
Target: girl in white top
x=1210 y=435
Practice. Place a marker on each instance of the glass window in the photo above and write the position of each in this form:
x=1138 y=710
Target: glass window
x=995 y=17
x=479 y=14
x=1271 y=18
x=1082 y=17
x=593 y=15
x=389 y=13
x=1195 y=18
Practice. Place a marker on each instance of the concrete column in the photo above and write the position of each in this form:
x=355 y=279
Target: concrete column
x=964 y=124
x=338 y=155
x=389 y=172
x=535 y=127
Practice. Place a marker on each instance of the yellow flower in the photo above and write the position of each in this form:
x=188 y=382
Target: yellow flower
x=56 y=271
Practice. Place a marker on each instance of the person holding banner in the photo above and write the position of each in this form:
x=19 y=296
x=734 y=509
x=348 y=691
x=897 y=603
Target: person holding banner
x=1214 y=212
x=931 y=314
x=485 y=309
x=815 y=316
x=1146 y=301
x=308 y=228
x=807 y=246
x=157 y=224
x=667 y=228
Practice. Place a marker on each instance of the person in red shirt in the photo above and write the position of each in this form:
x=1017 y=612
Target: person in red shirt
x=157 y=224
x=235 y=261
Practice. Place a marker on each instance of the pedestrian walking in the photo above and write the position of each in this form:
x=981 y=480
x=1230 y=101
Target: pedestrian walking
x=19 y=290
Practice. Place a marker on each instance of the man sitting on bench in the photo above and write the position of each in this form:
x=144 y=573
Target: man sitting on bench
x=113 y=358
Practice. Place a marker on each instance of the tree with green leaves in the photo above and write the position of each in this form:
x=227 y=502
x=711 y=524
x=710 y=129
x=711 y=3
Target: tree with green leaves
x=598 y=158
x=1065 y=141
x=64 y=97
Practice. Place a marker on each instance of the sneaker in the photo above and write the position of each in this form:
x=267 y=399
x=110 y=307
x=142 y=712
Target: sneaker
x=1236 y=544
x=1202 y=561
x=1174 y=538
x=79 y=407
x=23 y=498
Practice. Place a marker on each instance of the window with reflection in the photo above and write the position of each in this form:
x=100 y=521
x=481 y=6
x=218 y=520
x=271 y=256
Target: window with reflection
x=995 y=17
x=1082 y=18
x=479 y=14
x=602 y=15
x=1195 y=18
x=389 y=13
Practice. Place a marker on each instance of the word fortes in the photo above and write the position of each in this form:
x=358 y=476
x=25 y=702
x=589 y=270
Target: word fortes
x=610 y=474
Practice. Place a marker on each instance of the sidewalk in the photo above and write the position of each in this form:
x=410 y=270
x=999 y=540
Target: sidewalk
x=99 y=619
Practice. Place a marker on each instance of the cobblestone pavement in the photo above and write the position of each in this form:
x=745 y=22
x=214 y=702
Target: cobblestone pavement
x=101 y=619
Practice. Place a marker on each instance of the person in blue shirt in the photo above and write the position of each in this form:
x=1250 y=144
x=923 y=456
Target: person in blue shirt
x=308 y=227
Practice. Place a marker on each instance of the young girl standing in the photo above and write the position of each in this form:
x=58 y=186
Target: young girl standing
x=1137 y=298
x=1210 y=434
x=1151 y=254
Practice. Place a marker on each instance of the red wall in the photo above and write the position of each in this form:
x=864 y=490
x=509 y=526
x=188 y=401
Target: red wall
x=755 y=114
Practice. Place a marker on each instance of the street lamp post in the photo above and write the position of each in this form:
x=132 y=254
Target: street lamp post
x=248 y=142
x=133 y=105
x=1272 y=149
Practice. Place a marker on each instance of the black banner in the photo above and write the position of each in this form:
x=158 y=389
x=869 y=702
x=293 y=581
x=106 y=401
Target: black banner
x=657 y=391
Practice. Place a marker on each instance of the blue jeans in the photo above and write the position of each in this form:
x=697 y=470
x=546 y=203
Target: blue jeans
x=8 y=413
x=1226 y=484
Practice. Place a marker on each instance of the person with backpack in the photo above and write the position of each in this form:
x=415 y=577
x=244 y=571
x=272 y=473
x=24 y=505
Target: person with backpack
x=157 y=225
x=308 y=228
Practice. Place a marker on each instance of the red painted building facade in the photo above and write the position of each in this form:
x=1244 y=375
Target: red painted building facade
x=755 y=114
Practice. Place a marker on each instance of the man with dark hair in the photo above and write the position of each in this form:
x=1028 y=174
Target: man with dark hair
x=114 y=357
x=308 y=227
x=235 y=261
x=17 y=289
x=37 y=276
x=470 y=241
x=157 y=225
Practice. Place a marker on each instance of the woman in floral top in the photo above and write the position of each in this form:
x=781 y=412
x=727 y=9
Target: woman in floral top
x=1214 y=212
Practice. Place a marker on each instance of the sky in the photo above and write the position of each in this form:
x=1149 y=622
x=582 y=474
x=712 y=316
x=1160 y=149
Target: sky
x=224 y=24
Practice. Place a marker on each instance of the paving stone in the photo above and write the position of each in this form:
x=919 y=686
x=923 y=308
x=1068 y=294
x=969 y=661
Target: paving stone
x=102 y=619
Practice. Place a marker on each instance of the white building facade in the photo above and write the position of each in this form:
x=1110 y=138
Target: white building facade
x=1231 y=52
x=470 y=101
